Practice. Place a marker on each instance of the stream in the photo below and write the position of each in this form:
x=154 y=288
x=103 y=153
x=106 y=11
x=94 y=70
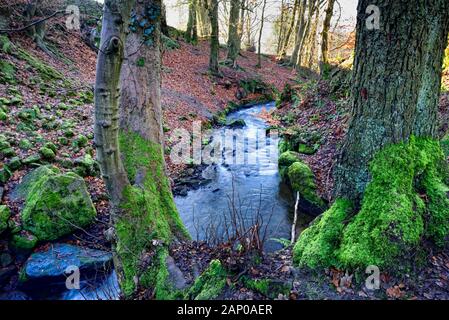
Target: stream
x=247 y=188
x=251 y=188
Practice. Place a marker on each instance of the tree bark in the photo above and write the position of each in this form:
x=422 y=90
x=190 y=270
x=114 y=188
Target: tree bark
x=214 y=38
x=396 y=84
x=284 y=45
x=107 y=94
x=324 y=49
x=128 y=136
x=259 y=46
x=192 y=27
x=300 y=25
x=233 y=33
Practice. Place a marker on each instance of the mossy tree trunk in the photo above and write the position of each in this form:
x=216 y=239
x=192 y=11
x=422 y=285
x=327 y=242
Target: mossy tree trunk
x=233 y=33
x=324 y=48
x=396 y=84
x=214 y=37
x=128 y=136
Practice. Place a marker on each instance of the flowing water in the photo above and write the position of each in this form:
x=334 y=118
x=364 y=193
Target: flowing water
x=251 y=186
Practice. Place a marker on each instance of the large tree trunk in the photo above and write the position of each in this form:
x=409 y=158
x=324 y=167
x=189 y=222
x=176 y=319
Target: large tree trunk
x=396 y=84
x=214 y=37
x=129 y=143
x=324 y=49
x=233 y=33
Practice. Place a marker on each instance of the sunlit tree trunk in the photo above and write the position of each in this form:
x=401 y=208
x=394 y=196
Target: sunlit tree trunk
x=259 y=46
x=324 y=48
x=286 y=40
x=281 y=28
x=300 y=26
x=396 y=83
x=192 y=24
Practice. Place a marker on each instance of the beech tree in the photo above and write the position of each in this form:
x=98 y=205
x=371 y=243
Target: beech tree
x=192 y=23
x=128 y=138
x=214 y=37
x=233 y=33
x=324 y=48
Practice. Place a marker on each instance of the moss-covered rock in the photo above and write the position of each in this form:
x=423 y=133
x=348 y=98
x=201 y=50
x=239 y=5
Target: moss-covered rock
x=302 y=180
x=4 y=216
x=5 y=174
x=210 y=284
x=47 y=153
x=80 y=141
x=236 y=123
x=56 y=205
x=25 y=144
x=34 y=158
x=14 y=163
x=23 y=241
x=286 y=159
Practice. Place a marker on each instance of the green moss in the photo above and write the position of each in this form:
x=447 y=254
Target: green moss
x=47 y=153
x=210 y=284
x=81 y=141
x=25 y=144
x=46 y=72
x=268 y=287
x=4 y=216
x=148 y=206
x=405 y=202
x=302 y=180
x=7 y=72
x=23 y=241
x=318 y=245
x=57 y=205
x=445 y=145
x=285 y=160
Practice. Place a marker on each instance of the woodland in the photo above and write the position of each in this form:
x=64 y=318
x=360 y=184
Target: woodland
x=253 y=150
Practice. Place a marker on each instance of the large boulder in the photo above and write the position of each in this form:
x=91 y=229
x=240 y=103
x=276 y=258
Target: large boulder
x=57 y=258
x=56 y=204
x=302 y=180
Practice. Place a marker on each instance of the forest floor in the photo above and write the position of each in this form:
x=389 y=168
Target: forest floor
x=54 y=100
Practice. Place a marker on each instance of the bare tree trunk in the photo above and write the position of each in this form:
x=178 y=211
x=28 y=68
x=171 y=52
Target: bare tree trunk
x=284 y=45
x=233 y=34
x=281 y=28
x=324 y=49
x=300 y=25
x=214 y=38
x=203 y=19
x=259 y=55
x=192 y=27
